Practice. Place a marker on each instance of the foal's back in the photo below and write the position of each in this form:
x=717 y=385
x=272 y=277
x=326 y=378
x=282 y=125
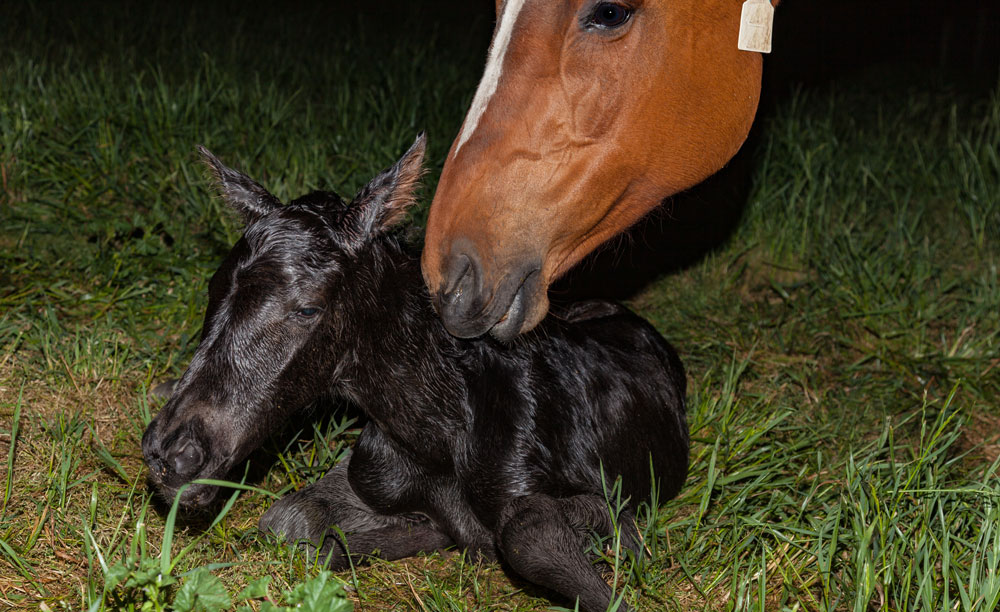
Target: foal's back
x=595 y=388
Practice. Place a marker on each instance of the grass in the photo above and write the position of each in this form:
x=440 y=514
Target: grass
x=843 y=347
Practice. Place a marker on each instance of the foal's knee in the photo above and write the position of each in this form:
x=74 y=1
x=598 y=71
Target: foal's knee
x=531 y=531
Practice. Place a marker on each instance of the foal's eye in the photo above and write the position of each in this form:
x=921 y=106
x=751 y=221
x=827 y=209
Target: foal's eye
x=306 y=313
x=610 y=15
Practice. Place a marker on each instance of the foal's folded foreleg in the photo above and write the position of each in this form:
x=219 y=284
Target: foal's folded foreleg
x=333 y=522
x=339 y=550
x=543 y=538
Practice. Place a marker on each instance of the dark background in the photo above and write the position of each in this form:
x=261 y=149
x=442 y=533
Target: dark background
x=817 y=41
x=814 y=41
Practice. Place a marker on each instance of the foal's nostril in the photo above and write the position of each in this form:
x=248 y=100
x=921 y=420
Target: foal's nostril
x=156 y=466
x=186 y=459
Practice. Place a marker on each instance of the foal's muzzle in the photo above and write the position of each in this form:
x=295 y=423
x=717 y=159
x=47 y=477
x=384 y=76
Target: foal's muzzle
x=177 y=453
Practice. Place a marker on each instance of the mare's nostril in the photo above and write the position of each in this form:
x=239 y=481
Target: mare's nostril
x=187 y=459
x=460 y=281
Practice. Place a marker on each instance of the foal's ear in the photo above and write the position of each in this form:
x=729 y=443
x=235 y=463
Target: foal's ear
x=241 y=193
x=383 y=202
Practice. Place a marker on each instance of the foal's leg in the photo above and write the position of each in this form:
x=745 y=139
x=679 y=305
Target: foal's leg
x=543 y=539
x=329 y=515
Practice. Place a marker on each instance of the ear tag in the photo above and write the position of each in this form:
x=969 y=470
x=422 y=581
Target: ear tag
x=755 y=26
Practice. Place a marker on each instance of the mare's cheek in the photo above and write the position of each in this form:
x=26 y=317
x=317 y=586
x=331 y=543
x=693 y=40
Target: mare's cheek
x=592 y=84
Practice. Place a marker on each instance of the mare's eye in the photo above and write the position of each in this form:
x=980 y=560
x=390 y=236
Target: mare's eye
x=305 y=313
x=609 y=15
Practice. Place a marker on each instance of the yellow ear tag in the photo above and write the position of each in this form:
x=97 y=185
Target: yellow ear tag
x=755 y=26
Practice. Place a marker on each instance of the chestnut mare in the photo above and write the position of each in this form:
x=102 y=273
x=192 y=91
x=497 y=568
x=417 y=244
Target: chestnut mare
x=588 y=115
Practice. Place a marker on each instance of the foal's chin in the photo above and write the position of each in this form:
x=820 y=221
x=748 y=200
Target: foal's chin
x=194 y=496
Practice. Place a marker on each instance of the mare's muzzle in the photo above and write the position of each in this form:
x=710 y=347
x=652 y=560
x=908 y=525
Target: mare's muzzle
x=470 y=307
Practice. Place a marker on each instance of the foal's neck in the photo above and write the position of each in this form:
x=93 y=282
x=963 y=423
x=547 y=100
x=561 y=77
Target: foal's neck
x=403 y=366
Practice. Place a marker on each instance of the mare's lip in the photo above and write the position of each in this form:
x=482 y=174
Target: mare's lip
x=502 y=317
x=512 y=320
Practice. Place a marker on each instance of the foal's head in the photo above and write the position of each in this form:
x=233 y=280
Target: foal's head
x=275 y=329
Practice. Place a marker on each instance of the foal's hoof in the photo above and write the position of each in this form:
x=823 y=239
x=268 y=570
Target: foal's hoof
x=297 y=520
x=306 y=528
x=163 y=390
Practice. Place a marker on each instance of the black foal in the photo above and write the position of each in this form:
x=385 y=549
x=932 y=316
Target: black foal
x=495 y=449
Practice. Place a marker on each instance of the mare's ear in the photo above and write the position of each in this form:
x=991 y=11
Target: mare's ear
x=241 y=193
x=383 y=202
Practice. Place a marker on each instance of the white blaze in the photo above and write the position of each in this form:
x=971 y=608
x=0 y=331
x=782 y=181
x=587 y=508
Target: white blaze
x=494 y=66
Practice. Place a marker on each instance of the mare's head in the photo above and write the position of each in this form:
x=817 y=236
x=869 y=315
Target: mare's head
x=589 y=113
x=275 y=332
